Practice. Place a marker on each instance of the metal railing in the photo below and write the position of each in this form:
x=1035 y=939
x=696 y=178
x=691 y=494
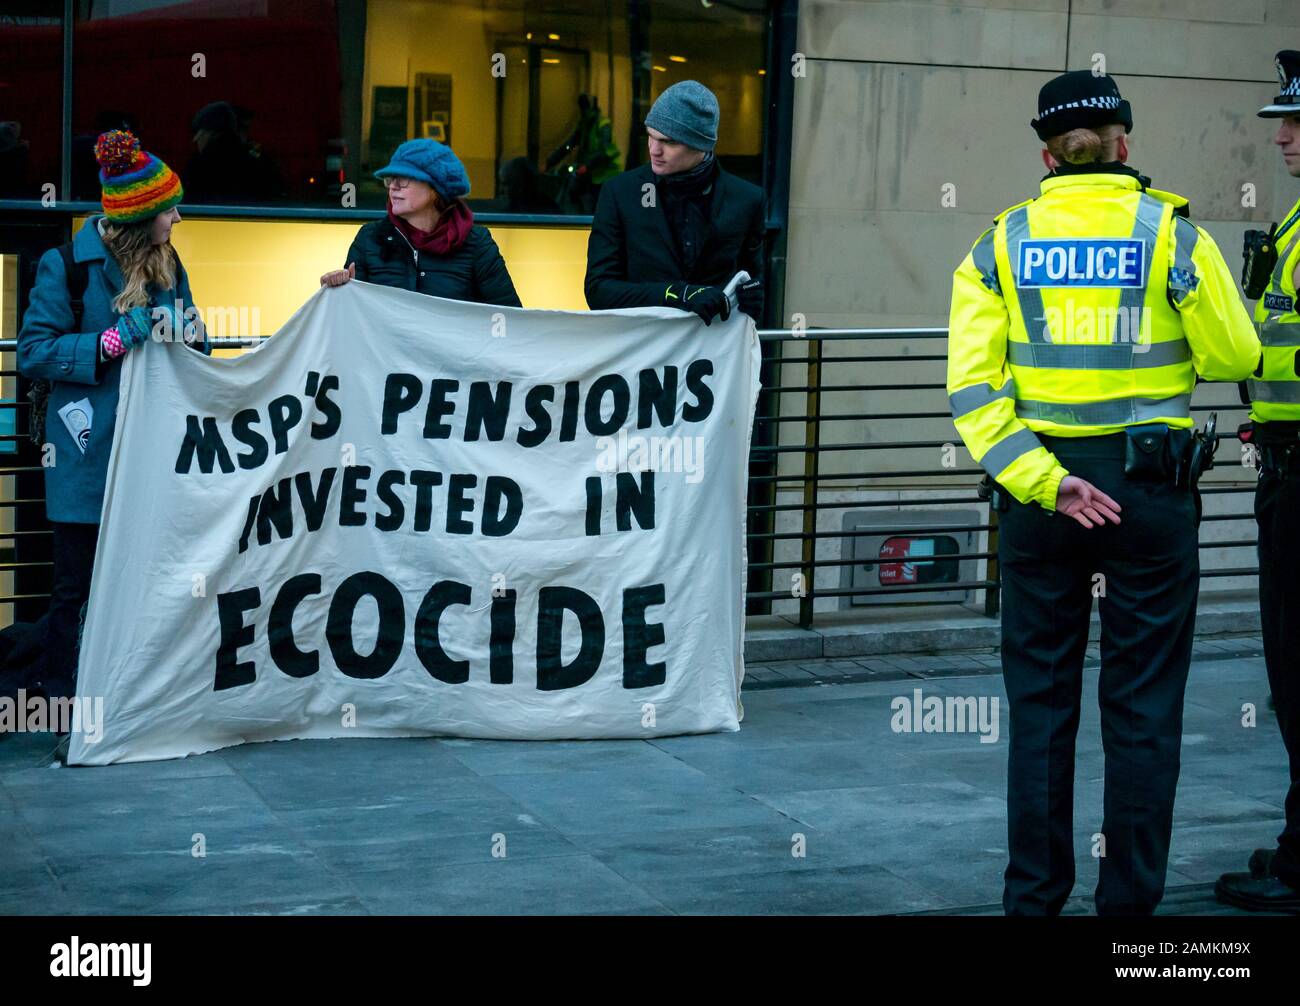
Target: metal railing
x=794 y=454
x=867 y=349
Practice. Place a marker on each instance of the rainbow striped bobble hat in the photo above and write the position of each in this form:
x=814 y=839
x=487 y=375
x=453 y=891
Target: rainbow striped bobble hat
x=136 y=184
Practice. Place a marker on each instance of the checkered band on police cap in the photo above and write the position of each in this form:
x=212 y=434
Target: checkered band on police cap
x=1080 y=99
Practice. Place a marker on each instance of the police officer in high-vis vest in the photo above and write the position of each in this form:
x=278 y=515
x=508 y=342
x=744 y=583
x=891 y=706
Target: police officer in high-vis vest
x=1079 y=324
x=1271 y=274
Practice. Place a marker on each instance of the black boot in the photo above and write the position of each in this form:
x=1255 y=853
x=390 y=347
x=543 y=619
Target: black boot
x=1260 y=890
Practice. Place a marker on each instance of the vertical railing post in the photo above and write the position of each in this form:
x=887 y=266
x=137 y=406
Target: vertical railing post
x=811 y=457
x=993 y=595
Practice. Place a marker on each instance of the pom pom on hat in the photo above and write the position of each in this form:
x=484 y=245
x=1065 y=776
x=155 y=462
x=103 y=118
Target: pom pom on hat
x=136 y=185
x=117 y=152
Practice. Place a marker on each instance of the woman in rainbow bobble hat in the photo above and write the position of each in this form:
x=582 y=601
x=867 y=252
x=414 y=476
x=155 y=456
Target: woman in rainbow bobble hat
x=115 y=286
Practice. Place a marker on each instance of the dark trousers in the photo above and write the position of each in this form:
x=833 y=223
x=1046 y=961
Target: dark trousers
x=1277 y=508
x=74 y=558
x=1144 y=572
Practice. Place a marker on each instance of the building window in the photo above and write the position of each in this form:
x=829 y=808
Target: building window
x=31 y=89
x=542 y=104
x=245 y=98
x=296 y=102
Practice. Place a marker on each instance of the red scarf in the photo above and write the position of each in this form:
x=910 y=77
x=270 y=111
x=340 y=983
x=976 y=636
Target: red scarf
x=448 y=234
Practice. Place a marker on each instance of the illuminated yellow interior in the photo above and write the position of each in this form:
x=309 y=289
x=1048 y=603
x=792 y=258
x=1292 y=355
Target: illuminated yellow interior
x=259 y=272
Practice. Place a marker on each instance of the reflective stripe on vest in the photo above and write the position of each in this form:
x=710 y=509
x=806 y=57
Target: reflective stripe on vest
x=1279 y=270
x=1285 y=392
x=1114 y=412
x=1032 y=312
x=1275 y=392
x=1146 y=228
x=986 y=261
x=1005 y=451
x=1182 y=278
x=1282 y=334
x=1101 y=356
x=977 y=396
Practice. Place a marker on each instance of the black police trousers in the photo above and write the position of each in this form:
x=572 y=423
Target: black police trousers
x=1144 y=573
x=1277 y=508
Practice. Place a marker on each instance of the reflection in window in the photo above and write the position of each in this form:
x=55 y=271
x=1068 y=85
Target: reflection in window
x=563 y=104
x=31 y=89
x=243 y=97
x=297 y=102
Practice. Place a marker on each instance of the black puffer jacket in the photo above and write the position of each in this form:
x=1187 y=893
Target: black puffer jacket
x=475 y=271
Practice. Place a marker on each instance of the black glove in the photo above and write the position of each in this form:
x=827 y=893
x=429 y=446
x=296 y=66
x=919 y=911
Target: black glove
x=749 y=298
x=706 y=301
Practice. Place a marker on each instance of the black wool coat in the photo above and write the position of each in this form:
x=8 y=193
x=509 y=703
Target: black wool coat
x=475 y=271
x=632 y=256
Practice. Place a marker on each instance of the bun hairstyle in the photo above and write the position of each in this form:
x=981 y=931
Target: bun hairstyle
x=1085 y=146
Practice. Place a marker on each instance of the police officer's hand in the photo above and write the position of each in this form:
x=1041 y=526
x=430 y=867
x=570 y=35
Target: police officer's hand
x=706 y=301
x=1083 y=501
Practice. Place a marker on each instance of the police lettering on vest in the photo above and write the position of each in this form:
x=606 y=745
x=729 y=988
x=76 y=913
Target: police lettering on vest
x=1278 y=302
x=1100 y=262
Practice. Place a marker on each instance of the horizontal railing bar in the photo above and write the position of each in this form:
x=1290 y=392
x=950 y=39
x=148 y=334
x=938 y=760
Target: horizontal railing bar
x=859 y=476
x=866 y=533
x=911 y=588
x=847 y=416
x=844 y=334
x=847 y=504
x=795 y=564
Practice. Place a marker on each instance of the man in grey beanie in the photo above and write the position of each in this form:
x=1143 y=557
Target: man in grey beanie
x=675 y=230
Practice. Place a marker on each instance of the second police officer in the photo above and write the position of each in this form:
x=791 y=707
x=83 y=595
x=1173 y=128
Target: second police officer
x=1272 y=269
x=1079 y=324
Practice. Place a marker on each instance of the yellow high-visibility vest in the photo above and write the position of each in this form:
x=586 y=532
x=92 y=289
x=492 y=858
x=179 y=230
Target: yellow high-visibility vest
x=1275 y=387
x=1087 y=310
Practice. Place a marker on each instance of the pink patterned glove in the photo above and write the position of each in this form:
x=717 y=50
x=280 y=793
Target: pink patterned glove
x=110 y=344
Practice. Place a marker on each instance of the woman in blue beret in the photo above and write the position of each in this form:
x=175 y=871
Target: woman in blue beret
x=429 y=241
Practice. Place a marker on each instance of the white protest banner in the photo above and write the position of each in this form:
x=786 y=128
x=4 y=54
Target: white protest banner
x=406 y=516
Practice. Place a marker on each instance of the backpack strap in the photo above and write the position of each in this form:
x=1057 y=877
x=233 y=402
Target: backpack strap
x=78 y=277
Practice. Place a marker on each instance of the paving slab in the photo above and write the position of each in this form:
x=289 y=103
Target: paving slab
x=819 y=804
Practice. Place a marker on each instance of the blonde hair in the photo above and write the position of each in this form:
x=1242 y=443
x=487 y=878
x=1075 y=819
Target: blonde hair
x=142 y=262
x=1083 y=146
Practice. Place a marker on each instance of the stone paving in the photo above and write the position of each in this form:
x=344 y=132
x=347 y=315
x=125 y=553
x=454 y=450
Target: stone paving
x=886 y=822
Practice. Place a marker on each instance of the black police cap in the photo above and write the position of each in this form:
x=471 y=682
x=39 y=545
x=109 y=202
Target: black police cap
x=1080 y=99
x=1288 y=73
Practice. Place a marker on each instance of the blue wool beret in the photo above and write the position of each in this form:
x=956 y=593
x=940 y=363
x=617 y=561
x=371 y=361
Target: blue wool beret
x=432 y=162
